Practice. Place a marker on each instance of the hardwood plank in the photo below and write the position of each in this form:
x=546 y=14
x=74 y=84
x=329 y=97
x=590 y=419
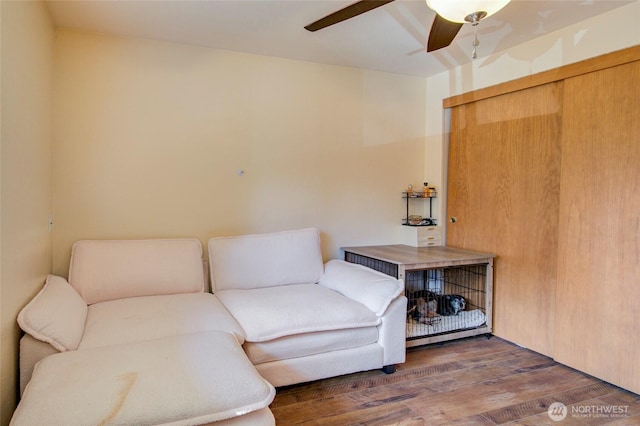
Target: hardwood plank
x=464 y=400
x=472 y=381
x=627 y=421
x=624 y=397
x=540 y=405
x=587 y=412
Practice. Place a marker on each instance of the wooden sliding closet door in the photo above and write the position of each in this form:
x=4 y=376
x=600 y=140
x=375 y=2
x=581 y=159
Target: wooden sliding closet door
x=597 y=313
x=503 y=191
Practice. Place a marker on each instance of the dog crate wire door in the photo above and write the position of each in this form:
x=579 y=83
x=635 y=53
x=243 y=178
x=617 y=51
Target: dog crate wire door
x=446 y=300
x=449 y=291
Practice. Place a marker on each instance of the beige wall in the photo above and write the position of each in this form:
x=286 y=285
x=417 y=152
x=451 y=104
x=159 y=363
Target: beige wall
x=150 y=139
x=150 y=136
x=25 y=173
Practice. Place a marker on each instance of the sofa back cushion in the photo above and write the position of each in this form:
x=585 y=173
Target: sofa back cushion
x=265 y=260
x=102 y=270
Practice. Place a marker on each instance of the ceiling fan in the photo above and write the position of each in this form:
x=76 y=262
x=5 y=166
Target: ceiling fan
x=450 y=16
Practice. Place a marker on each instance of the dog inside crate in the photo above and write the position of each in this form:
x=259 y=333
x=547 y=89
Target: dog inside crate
x=442 y=300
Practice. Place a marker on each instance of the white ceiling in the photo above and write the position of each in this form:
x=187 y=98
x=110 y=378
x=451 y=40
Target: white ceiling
x=391 y=38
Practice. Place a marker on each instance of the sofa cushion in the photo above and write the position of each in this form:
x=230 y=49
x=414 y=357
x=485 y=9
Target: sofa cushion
x=302 y=345
x=179 y=380
x=56 y=315
x=151 y=317
x=349 y=279
x=265 y=260
x=102 y=270
x=273 y=312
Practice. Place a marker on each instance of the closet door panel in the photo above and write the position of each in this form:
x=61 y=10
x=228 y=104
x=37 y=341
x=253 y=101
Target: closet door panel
x=503 y=190
x=598 y=320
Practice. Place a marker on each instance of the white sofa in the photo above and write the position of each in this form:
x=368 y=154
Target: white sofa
x=133 y=338
x=305 y=320
x=296 y=318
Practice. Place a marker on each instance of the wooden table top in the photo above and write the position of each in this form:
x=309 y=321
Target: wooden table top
x=401 y=254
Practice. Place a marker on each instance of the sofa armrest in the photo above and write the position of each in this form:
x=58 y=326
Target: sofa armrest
x=392 y=332
x=32 y=351
x=56 y=315
x=373 y=289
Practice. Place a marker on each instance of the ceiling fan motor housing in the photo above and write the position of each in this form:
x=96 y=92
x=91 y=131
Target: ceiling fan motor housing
x=461 y=10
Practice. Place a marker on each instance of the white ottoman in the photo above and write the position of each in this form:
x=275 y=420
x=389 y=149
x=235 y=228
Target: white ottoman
x=181 y=380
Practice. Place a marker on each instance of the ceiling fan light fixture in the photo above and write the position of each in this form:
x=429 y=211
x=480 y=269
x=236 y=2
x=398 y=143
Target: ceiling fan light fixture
x=462 y=11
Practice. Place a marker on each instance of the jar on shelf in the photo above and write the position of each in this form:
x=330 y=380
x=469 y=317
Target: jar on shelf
x=425 y=190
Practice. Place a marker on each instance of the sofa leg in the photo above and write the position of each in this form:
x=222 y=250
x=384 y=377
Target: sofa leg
x=389 y=369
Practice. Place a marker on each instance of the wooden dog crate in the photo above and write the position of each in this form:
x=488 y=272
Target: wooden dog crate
x=435 y=280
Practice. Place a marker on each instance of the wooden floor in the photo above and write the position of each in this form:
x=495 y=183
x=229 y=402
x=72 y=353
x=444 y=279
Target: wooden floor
x=475 y=381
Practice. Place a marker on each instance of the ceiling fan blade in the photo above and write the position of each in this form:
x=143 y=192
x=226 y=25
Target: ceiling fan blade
x=348 y=12
x=442 y=33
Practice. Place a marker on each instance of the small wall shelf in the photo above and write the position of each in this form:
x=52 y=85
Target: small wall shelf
x=420 y=195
